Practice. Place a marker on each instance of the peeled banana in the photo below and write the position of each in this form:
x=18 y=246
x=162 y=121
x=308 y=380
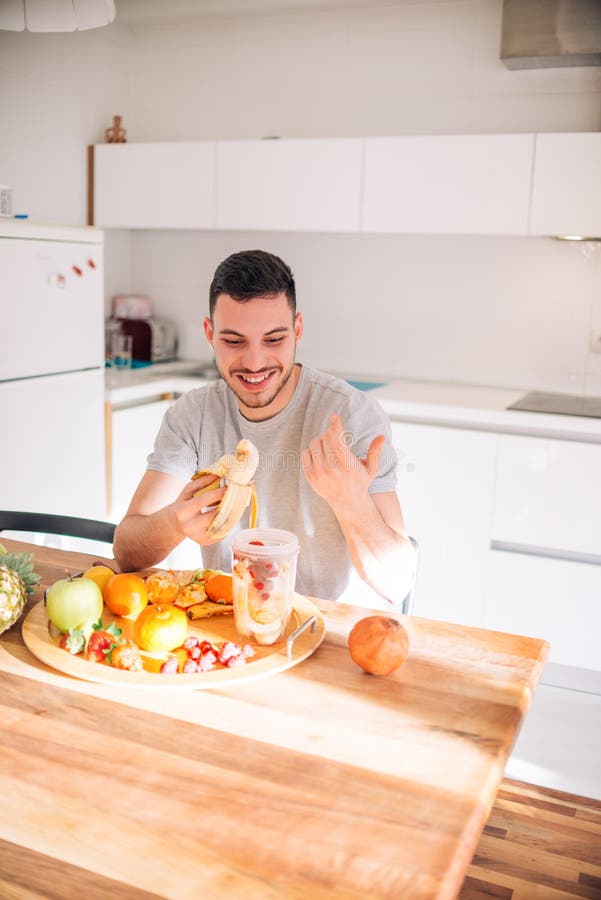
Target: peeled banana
x=237 y=472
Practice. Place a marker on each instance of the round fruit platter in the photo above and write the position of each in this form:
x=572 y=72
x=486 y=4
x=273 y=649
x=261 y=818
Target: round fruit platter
x=266 y=660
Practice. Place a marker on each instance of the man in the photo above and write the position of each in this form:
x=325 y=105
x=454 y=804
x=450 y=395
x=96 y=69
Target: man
x=326 y=470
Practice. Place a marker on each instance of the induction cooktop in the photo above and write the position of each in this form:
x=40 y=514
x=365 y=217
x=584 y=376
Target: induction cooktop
x=559 y=404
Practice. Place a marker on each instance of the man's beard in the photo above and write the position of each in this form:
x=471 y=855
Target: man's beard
x=255 y=401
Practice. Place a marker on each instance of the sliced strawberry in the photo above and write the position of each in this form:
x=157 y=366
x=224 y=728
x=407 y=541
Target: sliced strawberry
x=74 y=641
x=206 y=661
x=170 y=666
x=239 y=660
x=100 y=643
x=125 y=655
x=228 y=651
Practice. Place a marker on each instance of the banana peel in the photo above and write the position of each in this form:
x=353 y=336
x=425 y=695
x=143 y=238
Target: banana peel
x=209 y=608
x=236 y=471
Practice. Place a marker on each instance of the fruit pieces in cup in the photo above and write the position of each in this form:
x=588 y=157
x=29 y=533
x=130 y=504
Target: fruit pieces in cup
x=264 y=572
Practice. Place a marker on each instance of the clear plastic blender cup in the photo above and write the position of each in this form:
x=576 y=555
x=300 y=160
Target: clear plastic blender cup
x=264 y=572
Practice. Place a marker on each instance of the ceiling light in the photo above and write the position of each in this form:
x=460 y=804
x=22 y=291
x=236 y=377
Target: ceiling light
x=55 y=15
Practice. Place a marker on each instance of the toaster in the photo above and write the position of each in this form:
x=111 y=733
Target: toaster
x=154 y=339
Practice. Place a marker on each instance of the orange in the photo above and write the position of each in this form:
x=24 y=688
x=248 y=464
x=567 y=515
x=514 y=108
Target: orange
x=219 y=587
x=125 y=594
x=159 y=629
x=99 y=574
x=163 y=588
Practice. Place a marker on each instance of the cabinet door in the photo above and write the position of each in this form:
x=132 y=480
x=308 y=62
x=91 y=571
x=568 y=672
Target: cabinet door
x=445 y=486
x=566 y=191
x=552 y=599
x=452 y=184
x=548 y=497
x=154 y=185
x=52 y=307
x=133 y=431
x=289 y=185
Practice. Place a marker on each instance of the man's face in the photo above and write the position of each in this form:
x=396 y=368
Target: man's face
x=254 y=342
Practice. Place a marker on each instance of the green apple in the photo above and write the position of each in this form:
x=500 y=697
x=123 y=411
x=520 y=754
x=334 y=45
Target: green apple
x=74 y=603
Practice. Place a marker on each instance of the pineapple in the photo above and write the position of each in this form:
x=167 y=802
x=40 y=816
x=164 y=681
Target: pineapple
x=16 y=581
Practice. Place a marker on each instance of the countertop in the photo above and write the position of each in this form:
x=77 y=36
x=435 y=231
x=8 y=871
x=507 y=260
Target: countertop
x=428 y=402
x=320 y=781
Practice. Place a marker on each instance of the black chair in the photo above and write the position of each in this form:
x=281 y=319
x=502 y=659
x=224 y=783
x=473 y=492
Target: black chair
x=46 y=523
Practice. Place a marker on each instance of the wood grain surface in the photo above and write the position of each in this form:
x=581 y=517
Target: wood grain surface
x=319 y=782
x=538 y=844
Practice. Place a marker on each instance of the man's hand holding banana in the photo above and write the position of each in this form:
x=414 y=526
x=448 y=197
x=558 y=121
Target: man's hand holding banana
x=224 y=490
x=196 y=507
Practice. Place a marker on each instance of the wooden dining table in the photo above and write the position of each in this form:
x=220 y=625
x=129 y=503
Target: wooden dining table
x=320 y=781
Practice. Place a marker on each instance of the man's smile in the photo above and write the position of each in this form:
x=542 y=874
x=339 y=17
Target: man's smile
x=258 y=381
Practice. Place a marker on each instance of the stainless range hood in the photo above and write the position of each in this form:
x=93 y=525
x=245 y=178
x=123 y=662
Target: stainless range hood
x=539 y=34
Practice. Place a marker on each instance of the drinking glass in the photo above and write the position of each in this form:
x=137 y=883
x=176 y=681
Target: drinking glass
x=121 y=351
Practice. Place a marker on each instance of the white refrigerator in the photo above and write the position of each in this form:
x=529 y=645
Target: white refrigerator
x=52 y=444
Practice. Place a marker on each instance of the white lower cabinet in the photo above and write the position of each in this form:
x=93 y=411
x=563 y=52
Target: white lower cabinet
x=445 y=487
x=548 y=496
x=133 y=431
x=553 y=599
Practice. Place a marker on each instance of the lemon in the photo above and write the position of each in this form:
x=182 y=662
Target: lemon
x=99 y=574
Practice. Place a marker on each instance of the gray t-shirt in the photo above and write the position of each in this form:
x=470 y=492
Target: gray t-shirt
x=206 y=423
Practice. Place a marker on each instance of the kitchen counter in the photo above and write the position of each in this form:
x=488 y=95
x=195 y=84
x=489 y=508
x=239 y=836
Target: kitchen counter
x=427 y=402
x=149 y=382
x=478 y=407
x=318 y=781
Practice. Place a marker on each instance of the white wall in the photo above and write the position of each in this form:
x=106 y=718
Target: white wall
x=490 y=310
x=499 y=311
x=58 y=92
x=387 y=68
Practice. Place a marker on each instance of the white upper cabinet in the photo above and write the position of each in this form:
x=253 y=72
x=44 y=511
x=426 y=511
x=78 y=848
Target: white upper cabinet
x=289 y=185
x=163 y=185
x=426 y=184
x=448 y=184
x=566 y=194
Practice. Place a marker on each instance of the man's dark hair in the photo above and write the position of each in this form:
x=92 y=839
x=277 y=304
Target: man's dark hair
x=252 y=273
